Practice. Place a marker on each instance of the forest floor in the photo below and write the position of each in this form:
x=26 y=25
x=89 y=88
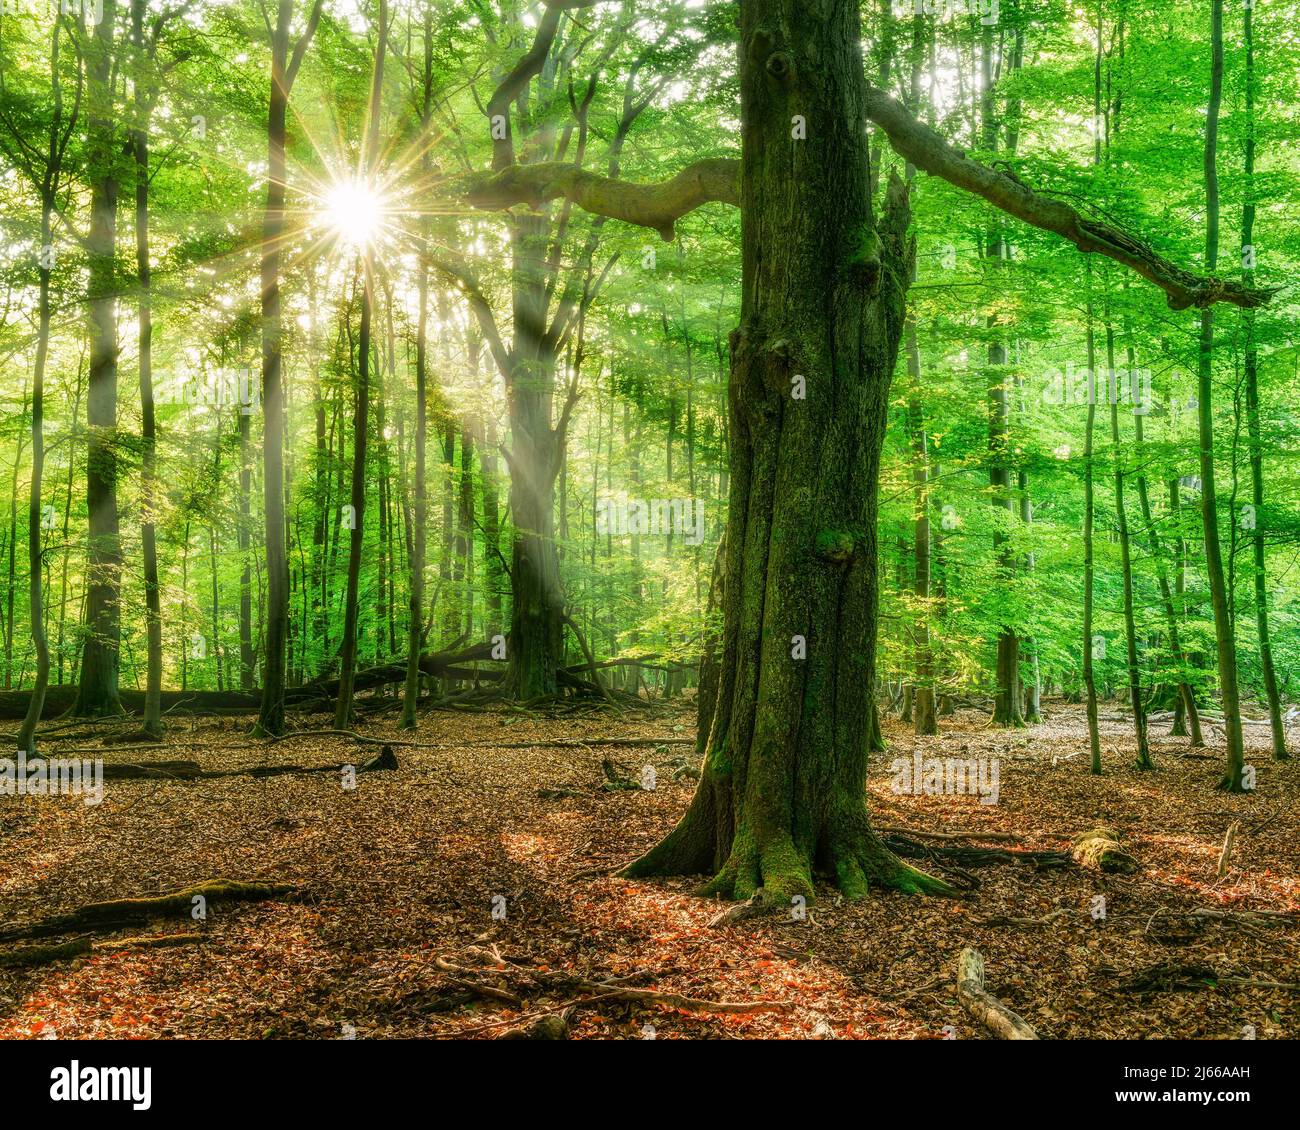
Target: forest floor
x=392 y=930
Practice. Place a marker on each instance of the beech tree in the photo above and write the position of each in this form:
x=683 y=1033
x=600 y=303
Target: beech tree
x=286 y=58
x=44 y=168
x=825 y=275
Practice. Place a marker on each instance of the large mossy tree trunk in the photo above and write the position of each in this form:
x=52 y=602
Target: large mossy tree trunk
x=535 y=454
x=784 y=775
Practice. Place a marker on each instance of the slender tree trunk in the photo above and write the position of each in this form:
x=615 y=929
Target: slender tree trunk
x=1033 y=705
x=270 y=720
x=1186 y=707
x=152 y=723
x=361 y=419
x=1089 y=680
x=415 y=610
x=26 y=741
x=357 y=504
x=1256 y=526
x=1007 y=709
x=1226 y=645
x=923 y=707
x=1126 y=563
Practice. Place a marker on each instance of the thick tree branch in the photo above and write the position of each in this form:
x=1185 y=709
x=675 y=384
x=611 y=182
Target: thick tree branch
x=480 y=307
x=658 y=206
x=931 y=153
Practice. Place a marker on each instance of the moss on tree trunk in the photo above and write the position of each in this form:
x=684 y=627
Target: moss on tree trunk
x=782 y=790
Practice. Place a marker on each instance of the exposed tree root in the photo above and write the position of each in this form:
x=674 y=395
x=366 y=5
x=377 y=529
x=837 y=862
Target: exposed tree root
x=989 y=837
x=975 y=856
x=584 y=743
x=768 y=873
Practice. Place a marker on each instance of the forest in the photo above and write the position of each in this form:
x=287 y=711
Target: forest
x=611 y=519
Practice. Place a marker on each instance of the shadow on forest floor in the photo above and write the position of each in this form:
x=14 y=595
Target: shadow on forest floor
x=414 y=885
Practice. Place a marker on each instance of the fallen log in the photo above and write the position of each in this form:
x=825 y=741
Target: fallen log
x=584 y=743
x=982 y=1005
x=318 y=694
x=116 y=913
x=384 y=761
x=1100 y=850
x=27 y=957
x=59 y=700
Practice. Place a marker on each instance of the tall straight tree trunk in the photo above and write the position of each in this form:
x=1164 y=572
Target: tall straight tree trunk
x=357 y=504
x=26 y=738
x=247 y=660
x=97 y=681
x=493 y=560
x=152 y=723
x=465 y=527
x=1089 y=500
x=923 y=709
x=1033 y=697
x=1251 y=365
x=824 y=285
x=270 y=721
x=284 y=69
x=1089 y=679
x=12 y=545
x=66 y=533
x=361 y=419
x=27 y=731
x=1186 y=697
x=1226 y=645
x=1006 y=706
x=924 y=719
x=1126 y=563
x=415 y=609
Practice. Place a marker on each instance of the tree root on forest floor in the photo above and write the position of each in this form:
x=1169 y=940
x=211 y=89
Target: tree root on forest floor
x=989 y=837
x=513 y=985
x=954 y=859
x=757 y=906
x=1171 y=978
x=104 y=917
